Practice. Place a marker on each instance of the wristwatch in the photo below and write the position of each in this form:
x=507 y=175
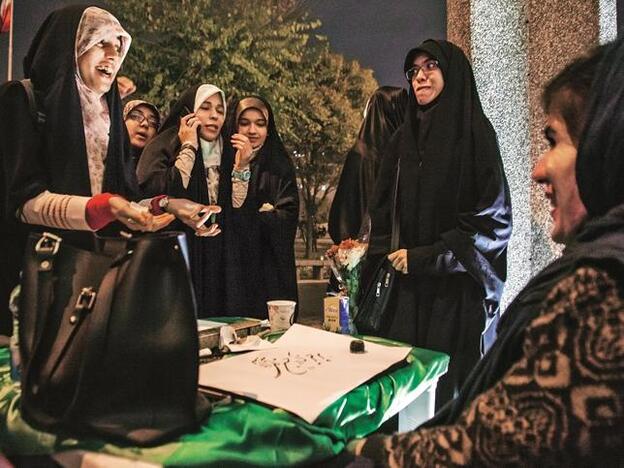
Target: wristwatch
x=163 y=203
x=243 y=175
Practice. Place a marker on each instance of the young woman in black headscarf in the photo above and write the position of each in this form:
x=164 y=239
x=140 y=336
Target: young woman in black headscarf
x=454 y=213
x=384 y=114
x=261 y=234
x=550 y=391
x=66 y=161
x=189 y=159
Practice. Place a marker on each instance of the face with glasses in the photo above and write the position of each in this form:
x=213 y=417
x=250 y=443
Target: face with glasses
x=142 y=124
x=426 y=78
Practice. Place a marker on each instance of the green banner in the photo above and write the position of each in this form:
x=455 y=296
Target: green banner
x=246 y=433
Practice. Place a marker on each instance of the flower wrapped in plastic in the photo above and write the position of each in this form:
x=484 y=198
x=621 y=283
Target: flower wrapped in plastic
x=346 y=263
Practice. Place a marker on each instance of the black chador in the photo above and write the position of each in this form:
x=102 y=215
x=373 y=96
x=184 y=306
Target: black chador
x=48 y=152
x=455 y=218
x=384 y=114
x=158 y=174
x=260 y=240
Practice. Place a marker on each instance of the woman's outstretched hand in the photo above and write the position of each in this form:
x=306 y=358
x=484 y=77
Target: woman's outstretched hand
x=195 y=215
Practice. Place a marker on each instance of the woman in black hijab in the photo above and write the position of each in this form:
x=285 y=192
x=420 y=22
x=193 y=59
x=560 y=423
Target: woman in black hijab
x=66 y=162
x=550 y=390
x=261 y=236
x=384 y=114
x=78 y=153
x=454 y=213
x=189 y=159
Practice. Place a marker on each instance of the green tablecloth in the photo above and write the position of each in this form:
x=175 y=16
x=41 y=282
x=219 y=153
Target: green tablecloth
x=245 y=433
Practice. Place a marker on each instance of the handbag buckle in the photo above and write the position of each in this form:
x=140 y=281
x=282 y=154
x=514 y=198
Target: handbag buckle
x=48 y=244
x=85 y=302
x=86 y=299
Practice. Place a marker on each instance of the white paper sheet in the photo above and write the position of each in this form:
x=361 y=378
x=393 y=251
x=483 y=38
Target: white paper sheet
x=305 y=372
x=249 y=343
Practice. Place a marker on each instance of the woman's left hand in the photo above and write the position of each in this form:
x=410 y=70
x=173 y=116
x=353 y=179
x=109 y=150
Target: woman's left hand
x=399 y=260
x=243 y=151
x=195 y=215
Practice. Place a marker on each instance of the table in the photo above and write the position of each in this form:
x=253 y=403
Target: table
x=245 y=433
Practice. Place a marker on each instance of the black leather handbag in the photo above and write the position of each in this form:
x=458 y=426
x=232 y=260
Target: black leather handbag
x=109 y=345
x=376 y=303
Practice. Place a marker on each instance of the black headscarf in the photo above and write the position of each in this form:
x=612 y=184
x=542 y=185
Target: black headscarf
x=599 y=242
x=51 y=66
x=272 y=157
x=600 y=162
x=452 y=182
x=261 y=244
x=384 y=115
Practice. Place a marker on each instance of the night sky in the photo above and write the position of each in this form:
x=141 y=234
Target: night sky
x=376 y=33
x=379 y=33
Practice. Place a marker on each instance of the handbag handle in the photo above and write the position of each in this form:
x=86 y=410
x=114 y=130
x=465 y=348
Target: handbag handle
x=394 y=239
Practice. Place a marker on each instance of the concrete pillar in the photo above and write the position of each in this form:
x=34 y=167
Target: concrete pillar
x=516 y=47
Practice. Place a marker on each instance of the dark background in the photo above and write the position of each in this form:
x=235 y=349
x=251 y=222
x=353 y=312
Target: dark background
x=380 y=33
x=376 y=33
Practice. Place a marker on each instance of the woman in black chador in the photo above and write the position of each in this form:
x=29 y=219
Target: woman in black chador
x=454 y=214
x=65 y=162
x=261 y=235
x=383 y=115
x=189 y=159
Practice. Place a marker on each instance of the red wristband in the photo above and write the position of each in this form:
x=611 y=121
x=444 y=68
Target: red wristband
x=98 y=212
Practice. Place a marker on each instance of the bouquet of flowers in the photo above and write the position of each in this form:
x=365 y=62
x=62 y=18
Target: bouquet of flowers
x=346 y=263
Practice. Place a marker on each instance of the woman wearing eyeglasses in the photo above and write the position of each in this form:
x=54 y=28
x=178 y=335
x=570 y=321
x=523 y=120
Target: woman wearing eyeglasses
x=64 y=160
x=454 y=213
x=142 y=121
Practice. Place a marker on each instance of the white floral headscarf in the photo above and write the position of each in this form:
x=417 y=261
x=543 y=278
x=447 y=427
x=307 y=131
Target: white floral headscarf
x=96 y=25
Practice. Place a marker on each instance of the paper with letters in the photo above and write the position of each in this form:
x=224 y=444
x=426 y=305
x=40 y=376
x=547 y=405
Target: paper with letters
x=305 y=372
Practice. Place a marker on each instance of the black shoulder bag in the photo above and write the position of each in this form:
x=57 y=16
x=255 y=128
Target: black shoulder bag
x=109 y=345
x=375 y=309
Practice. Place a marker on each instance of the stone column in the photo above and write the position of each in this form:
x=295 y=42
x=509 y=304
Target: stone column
x=516 y=46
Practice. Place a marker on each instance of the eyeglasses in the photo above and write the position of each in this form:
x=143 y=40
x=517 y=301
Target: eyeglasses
x=429 y=66
x=138 y=117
